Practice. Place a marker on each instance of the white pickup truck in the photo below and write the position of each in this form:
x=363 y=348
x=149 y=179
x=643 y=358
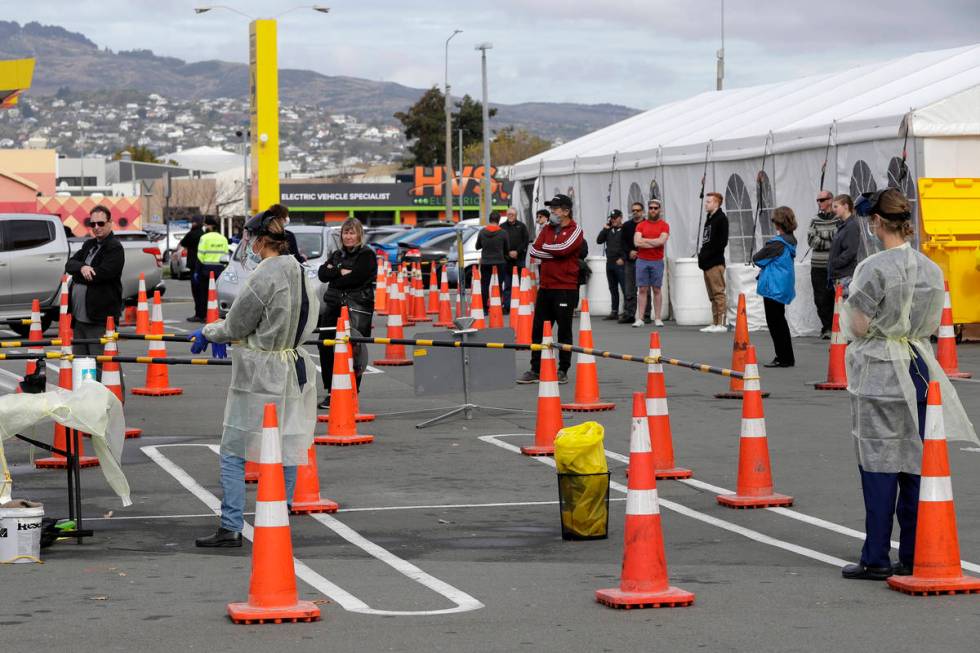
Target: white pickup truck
x=33 y=251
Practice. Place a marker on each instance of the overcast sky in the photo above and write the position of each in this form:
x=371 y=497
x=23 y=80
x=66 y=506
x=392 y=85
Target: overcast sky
x=635 y=52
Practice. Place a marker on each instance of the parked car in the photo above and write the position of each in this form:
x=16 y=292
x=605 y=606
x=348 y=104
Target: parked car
x=33 y=251
x=388 y=245
x=315 y=242
x=375 y=234
x=179 y=263
x=435 y=251
x=471 y=257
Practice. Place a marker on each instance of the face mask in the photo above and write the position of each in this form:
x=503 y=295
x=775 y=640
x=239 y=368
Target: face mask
x=554 y=219
x=252 y=259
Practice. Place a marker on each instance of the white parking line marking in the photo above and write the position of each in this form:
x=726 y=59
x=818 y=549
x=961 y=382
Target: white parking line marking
x=464 y=602
x=693 y=514
x=786 y=512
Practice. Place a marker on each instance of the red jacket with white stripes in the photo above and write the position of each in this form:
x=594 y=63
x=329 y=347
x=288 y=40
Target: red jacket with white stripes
x=558 y=249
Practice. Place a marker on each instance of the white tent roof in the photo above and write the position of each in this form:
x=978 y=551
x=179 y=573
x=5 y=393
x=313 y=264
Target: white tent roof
x=941 y=88
x=209 y=159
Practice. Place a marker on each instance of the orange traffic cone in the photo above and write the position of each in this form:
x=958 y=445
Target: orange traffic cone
x=534 y=286
x=445 y=307
x=64 y=316
x=341 y=426
x=306 y=495
x=936 y=566
x=515 y=300
x=251 y=472
x=476 y=301
x=418 y=313
x=394 y=354
x=549 y=420
x=496 y=314
x=525 y=317
x=946 y=343
x=35 y=334
x=739 y=346
x=61 y=439
x=272 y=589
x=432 y=291
x=142 y=309
x=212 y=314
x=381 y=289
x=836 y=369
x=112 y=372
x=754 y=489
x=586 y=376
x=157 y=375
x=659 y=418
x=358 y=415
x=644 y=582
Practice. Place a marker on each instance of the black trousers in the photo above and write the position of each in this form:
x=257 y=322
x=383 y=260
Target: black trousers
x=199 y=291
x=486 y=274
x=361 y=323
x=505 y=284
x=782 y=342
x=630 y=292
x=823 y=297
x=554 y=306
x=616 y=278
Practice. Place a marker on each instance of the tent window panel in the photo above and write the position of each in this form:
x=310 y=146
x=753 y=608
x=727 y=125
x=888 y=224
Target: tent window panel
x=738 y=208
x=903 y=182
x=635 y=195
x=766 y=202
x=862 y=181
x=654 y=190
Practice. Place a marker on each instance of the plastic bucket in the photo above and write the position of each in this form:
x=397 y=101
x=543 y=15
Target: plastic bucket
x=20 y=534
x=583 y=500
x=688 y=297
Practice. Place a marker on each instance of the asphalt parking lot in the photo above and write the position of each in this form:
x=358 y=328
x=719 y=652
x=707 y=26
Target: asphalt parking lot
x=449 y=540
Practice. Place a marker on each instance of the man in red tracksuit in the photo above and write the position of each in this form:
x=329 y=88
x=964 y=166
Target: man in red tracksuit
x=557 y=247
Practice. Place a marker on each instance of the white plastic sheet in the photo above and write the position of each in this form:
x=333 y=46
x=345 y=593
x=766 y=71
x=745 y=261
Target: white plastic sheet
x=92 y=409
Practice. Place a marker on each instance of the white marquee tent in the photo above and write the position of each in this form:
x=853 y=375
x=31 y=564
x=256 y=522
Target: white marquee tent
x=768 y=143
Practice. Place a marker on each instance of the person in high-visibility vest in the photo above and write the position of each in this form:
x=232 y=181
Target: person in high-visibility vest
x=211 y=248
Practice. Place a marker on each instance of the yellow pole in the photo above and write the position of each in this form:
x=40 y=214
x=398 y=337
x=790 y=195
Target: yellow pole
x=264 y=91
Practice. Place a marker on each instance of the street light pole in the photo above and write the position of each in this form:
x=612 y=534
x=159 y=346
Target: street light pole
x=720 y=73
x=485 y=209
x=449 y=136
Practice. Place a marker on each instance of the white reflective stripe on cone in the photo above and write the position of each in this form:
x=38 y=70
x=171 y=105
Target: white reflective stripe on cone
x=935 y=489
x=585 y=322
x=837 y=338
x=585 y=358
x=270 y=451
x=395 y=319
x=946 y=301
x=141 y=306
x=640 y=436
x=548 y=389
x=935 y=427
x=946 y=331
x=110 y=378
x=477 y=314
x=751 y=378
x=642 y=502
x=157 y=346
x=271 y=514
x=656 y=406
x=753 y=427
x=341 y=381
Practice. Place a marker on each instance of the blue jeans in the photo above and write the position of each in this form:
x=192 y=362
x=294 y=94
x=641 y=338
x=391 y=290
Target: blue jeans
x=233 y=490
x=888 y=495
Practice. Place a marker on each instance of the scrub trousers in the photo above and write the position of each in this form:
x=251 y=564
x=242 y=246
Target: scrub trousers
x=883 y=489
x=233 y=491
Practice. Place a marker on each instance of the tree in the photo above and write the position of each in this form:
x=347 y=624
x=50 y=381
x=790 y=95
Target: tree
x=508 y=147
x=425 y=124
x=139 y=153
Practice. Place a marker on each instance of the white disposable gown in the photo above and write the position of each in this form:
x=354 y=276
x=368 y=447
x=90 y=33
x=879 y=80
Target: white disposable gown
x=901 y=292
x=265 y=317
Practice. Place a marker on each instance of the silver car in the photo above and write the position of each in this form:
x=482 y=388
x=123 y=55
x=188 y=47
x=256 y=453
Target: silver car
x=316 y=243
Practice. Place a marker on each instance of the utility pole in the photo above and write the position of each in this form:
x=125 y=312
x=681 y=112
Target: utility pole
x=459 y=158
x=720 y=74
x=449 y=136
x=485 y=209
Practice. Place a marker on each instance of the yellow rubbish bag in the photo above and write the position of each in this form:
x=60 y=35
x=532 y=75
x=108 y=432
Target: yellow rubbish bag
x=583 y=482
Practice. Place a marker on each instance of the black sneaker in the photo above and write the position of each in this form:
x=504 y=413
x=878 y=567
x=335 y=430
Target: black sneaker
x=562 y=377
x=862 y=572
x=325 y=404
x=626 y=319
x=195 y=319
x=221 y=538
x=611 y=316
x=528 y=377
x=901 y=569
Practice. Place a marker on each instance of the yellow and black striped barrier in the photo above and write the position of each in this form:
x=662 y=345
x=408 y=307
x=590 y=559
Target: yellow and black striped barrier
x=142 y=360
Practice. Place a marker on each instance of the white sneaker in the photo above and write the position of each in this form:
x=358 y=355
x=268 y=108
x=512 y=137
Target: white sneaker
x=638 y=323
x=658 y=323
x=708 y=329
x=721 y=328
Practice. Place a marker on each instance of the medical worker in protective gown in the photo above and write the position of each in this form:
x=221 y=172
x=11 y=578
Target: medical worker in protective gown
x=275 y=311
x=894 y=306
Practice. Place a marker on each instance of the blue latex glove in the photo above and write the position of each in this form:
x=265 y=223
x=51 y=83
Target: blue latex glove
x=219 y=350
x=200 y=342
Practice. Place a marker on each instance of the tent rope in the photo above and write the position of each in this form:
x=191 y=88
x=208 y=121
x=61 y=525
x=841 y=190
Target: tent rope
x=700 y=209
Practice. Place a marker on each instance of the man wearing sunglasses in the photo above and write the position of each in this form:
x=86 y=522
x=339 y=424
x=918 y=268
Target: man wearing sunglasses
x=629 y=294
x=96 y=288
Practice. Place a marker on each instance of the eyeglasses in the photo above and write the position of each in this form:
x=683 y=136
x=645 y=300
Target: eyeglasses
x=654 y=208
x=636 y=210
x=98 y=224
